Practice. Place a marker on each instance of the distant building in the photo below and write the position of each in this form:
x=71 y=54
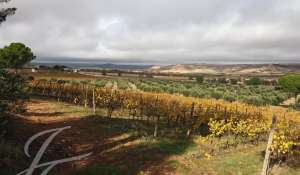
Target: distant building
x=75 y=70
x=66 y=69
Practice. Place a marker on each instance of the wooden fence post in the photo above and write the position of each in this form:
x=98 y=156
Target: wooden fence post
x=155 y=128
x=157 y=119
x=86 y=97
x=94 y=103
x=268 y=151
x=191 y=120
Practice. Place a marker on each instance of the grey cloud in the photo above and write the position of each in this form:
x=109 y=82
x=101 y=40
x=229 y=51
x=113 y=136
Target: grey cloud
x=169 y=30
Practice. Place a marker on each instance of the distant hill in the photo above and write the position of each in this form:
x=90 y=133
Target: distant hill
x=232 y=69
x=94 y=65
x=122 y=66
x=238 y=69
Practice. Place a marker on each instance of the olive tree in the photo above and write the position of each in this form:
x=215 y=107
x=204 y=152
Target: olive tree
x=200 y=79
x=254 y=81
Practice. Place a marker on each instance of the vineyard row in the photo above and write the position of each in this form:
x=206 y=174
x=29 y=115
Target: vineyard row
x=188 y=113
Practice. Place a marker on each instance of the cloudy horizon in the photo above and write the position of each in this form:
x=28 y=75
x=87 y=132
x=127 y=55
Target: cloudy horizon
x=157 y=30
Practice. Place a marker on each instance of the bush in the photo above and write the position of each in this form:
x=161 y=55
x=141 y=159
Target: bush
x=222 y=80
x=254 y=81
x=229 y=97
x=217 y=95
x=200 y=79
x=255 y=100
x=281 y=98
x=233 y=81
x=297 y=106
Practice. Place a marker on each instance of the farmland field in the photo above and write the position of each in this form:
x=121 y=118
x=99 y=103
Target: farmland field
x=153 y=87
x=165 y=126
x=251 y=94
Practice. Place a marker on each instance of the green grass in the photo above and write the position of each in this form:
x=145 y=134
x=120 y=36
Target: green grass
x=247 y=161
x=172 y=146
x=239 y=163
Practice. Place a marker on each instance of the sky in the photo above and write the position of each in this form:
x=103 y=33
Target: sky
x=172 y=31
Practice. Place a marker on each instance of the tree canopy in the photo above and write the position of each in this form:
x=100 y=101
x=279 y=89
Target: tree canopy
x=254 y=81
x=15 y=56
x=200 y=79
x=291 y=83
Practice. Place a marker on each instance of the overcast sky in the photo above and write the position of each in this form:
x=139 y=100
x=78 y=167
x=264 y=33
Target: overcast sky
x=157 y=30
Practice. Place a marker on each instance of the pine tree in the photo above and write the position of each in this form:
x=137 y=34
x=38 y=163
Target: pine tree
x=5 y=12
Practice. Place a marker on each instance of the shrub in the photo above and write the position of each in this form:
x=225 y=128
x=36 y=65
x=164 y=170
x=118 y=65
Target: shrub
x=254 y=81
x=233 y=81
x=229 y=97
x=297 y=106
x=217 y=95
x=286 y=141
x=222 y=80
x=254 y=100
x=200 y=79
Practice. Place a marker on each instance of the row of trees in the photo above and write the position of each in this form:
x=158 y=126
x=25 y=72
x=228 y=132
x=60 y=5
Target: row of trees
x=256 y=95
x=290 y=82
x=234 y=81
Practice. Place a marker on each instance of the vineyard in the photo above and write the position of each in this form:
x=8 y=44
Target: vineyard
x=255 y=95
x=188 y=115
